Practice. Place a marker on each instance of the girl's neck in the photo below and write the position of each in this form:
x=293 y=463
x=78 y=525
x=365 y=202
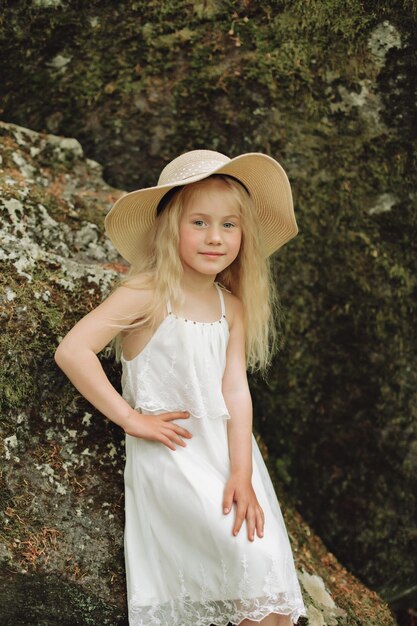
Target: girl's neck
x=194 y=284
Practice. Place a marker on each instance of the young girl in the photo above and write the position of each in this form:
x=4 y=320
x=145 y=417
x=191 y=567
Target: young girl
x=205 y=541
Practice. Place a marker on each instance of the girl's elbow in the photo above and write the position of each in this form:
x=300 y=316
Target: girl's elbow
x=70 y=353
x=64 y=354
x=59 y=355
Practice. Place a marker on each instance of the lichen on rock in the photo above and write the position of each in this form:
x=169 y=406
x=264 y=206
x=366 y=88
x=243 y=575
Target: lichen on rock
x=30 y=233
x=55 y=259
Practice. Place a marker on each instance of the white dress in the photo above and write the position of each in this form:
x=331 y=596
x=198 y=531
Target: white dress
x=183 y=565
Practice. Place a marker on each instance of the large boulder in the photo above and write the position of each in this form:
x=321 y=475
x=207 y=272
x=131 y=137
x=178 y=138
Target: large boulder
x=61 y=557
x=328 y=88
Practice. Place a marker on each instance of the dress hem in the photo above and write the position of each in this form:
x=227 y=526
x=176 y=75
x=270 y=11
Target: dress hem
x=213 y=621
x=221 y=613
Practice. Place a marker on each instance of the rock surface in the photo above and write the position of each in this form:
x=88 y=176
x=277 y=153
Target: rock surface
x=62 y=462
x=327 y=87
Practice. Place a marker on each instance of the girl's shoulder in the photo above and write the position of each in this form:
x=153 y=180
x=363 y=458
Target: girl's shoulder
x=131 y=294
x=232 y=303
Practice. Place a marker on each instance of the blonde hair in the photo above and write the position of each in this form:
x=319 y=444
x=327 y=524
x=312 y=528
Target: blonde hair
x=249 y=277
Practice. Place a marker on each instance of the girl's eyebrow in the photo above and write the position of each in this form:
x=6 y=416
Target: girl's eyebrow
x=206 y=215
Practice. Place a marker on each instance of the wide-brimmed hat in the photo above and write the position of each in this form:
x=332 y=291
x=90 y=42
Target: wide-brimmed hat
x=130 y=219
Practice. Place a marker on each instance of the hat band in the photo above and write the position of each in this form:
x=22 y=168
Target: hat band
x=166 y=198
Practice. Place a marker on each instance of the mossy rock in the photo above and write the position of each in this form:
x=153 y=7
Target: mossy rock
x=327 y=87
x=62 y=462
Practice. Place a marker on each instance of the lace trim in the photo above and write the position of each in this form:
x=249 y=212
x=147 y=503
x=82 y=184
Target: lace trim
x=183 y=612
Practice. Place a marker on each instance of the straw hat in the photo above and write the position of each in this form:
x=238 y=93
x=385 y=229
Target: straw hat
x=131 y=217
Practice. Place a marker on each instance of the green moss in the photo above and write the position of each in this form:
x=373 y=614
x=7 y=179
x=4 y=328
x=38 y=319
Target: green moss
x=297 y=80
x=52 y=600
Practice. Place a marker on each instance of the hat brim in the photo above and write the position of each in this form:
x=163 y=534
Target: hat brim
x=132 y=216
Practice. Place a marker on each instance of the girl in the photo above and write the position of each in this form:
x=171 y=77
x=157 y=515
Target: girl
x=205 y=541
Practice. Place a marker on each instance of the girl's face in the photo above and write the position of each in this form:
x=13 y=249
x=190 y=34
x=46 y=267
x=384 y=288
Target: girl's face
x=210 y=230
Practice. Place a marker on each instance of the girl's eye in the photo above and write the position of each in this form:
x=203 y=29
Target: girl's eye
x=199 y=222
x=229 y=225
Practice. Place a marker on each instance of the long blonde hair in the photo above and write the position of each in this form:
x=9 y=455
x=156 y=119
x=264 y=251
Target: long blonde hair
x=249 y=277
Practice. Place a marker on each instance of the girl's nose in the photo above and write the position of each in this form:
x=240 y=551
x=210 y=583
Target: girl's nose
x=213 y=235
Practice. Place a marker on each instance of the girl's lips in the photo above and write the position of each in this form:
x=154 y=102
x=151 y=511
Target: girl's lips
x=212 y=253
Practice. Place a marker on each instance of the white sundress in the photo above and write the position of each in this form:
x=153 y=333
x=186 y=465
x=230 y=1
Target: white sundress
x=183 y=565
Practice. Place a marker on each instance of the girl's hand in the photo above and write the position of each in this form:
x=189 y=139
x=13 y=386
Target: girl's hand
x=240 y=490
x=158 y=427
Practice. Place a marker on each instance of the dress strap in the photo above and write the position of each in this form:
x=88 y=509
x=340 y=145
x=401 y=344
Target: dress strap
x=169 y=307
x=221 y=299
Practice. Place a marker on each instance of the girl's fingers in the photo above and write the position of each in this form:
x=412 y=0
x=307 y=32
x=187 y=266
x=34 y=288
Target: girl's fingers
x=175 y=415
x=165 y=440
x=178 y=440
x=240 y=516
x=174 y=437
x=227 y=499
x=153 y=429
x=181 y=431
x=251 y=523
x=260 y=522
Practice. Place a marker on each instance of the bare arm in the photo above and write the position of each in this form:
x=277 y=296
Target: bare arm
x=238 y=399
x=239 y=429
x=76 y=355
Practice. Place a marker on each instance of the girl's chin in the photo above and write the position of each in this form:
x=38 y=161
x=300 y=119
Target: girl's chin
x=202 y=271
x=205 y=267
